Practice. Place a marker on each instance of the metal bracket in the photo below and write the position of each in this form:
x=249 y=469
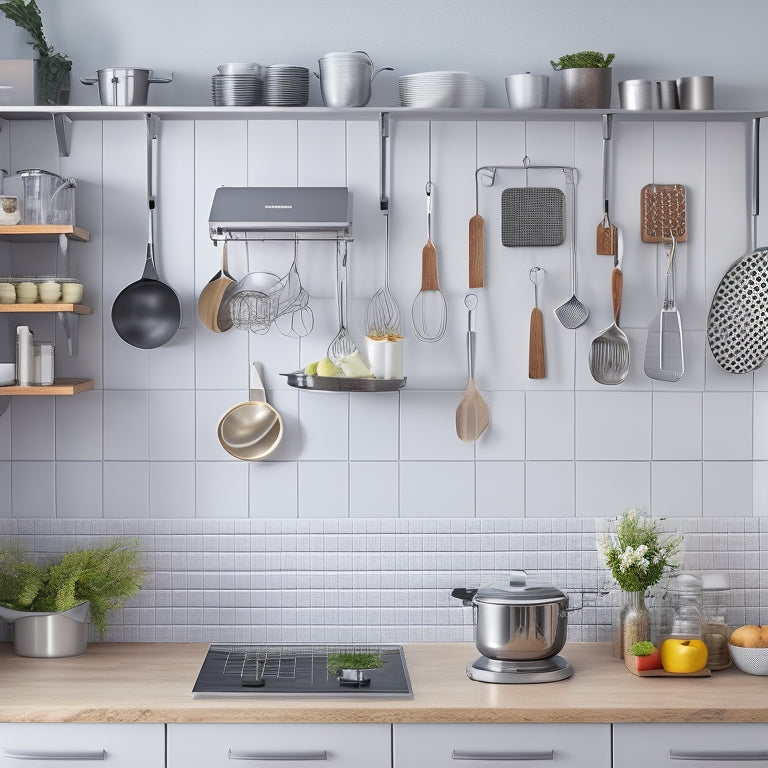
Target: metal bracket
x=62 y=124
x=383 y=137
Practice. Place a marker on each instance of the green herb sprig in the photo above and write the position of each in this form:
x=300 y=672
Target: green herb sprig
x=339 y=661
x=642 y=648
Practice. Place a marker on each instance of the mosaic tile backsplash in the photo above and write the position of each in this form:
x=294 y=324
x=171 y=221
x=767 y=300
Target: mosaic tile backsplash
x=371 y=581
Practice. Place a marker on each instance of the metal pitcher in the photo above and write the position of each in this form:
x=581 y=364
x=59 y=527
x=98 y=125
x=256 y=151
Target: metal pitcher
x=345 y=78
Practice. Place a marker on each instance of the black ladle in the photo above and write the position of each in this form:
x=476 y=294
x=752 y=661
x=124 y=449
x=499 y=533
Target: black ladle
x=147 y=313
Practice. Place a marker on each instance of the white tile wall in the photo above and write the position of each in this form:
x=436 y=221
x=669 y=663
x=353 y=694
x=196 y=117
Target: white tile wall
x=563 y=446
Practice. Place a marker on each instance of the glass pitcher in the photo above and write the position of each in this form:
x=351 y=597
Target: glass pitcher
x=44 y=197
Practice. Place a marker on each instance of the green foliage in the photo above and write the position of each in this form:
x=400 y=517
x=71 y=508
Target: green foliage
x=642 y=648
x=339 y=661
x=583 y=59
x=639 y=552
x=105 y=577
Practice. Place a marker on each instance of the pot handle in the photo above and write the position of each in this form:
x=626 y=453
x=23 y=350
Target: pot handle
x=382 y=69
x=465 y=594
x=89 y=80
x=160 y=79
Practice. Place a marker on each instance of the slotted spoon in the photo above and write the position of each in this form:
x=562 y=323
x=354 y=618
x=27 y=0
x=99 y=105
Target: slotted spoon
x=572 y=313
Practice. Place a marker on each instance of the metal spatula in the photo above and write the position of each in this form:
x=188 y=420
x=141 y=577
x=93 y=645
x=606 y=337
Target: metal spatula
x=664 y=348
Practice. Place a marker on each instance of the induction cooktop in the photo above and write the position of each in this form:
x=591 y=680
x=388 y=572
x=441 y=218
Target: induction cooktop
x=257 y=671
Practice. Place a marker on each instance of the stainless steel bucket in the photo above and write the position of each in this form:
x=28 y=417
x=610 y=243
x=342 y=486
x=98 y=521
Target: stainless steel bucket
x=345 y=78
x=49 y=635
x=124 y=86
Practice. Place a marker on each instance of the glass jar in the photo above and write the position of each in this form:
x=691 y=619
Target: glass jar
x=686 y=591
x=716 y=602
x=635 y=623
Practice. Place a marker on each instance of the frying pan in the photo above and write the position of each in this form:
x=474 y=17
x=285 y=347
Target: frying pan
x=147 y=313
x=737 y=325
x=252 y=430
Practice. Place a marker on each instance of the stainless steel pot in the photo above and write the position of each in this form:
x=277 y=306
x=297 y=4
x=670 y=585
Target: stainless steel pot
x=345 y=78
x=124 y=86
x=518 y=620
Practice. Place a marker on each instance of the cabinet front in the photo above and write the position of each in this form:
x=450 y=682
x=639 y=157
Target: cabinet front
x=297 y=745
x=82 y=744
x=484 y=744
x=693 y=745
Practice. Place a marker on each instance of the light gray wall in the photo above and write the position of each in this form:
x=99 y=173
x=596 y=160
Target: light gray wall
x=492 y=38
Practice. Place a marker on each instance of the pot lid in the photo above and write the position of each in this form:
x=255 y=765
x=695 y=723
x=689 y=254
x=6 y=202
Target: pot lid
x=519 y=591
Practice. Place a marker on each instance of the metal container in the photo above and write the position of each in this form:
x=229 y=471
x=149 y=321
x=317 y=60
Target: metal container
x=639 y=94
x=697 y=92
x=518 y=620
x=345 y=78
x=44 y=197
x=527 y=91
x=124 y=86
x=49 y=635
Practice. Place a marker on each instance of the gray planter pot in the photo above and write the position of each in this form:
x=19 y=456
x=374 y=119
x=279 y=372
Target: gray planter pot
x=49 y=635
x=585 y=88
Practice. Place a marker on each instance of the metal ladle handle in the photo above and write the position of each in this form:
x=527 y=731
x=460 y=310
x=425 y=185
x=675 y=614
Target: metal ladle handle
x=470 y=302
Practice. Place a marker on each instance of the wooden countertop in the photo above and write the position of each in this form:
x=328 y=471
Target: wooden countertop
x=152 y=683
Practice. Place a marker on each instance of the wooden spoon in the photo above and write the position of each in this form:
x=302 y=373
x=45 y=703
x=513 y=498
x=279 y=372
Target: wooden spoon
x=210 y=297
x=476 y=249
x=472 y=415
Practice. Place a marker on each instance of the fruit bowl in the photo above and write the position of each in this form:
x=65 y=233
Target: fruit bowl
x=753 y=661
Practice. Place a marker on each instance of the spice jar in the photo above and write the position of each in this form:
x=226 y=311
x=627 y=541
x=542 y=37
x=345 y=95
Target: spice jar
x=715 y=599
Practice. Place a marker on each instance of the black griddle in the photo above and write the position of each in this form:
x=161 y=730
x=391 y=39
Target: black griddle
x=257 y=671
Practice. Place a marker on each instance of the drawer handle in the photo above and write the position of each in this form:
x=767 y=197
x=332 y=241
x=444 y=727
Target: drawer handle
x=745 y=756
x=459 y=755
x=23 y=754
x=288 y=756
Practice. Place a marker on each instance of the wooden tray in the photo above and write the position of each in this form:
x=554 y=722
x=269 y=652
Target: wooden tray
x=662 y=213
x=663 y=673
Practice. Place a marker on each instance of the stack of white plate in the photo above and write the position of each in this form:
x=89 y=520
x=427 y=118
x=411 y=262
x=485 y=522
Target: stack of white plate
x=442 y=89
x=286 y=86
x=236 y=90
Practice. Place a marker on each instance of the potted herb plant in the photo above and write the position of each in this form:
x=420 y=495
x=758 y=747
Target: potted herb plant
x=50 y=605
x=638 y=553
x=585 y=80
x=53 y=69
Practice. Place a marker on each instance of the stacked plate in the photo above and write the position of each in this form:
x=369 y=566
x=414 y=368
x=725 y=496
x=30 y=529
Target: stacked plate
x=237 y=85
x=442 y=89
x=286 y=86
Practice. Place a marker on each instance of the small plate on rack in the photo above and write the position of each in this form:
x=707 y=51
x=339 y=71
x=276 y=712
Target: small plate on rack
x=301 y=380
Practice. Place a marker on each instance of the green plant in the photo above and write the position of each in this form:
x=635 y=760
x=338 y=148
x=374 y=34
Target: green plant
x=339 y=661
x=642 y=648
x=583 y=59
x=53 y=68
x=639 y=553
x=105 y=577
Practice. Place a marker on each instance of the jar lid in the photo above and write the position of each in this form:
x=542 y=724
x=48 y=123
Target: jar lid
x=519 y=591
x=686 y=582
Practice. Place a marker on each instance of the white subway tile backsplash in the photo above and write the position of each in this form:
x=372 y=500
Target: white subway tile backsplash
x=549 y=422
x=172 y=425
x=273 y=489
x=126 y=489
x=221 y=489
x=727 y=426
x=79 y=427
x=613 y=426
x=323 y=489
x=677 y=427
x=171 y=489
x=33 y=429
x=324 y=426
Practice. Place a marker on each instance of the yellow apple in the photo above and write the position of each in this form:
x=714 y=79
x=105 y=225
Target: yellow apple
x=682 y=655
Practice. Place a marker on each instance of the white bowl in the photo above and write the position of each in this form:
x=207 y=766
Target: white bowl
x=7 y=374
x=753 y=661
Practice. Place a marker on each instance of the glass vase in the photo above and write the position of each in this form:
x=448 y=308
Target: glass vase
x=635 y=623
x=52 y=81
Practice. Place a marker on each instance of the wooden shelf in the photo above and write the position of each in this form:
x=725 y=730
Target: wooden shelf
x=40 y=233
x=59 y=387
x=77 y=309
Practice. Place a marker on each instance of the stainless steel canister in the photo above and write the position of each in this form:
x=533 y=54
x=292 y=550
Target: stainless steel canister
x=639 y=94
x=345 y=78
x=518 y=620
x=697 y=92
x=527 y=91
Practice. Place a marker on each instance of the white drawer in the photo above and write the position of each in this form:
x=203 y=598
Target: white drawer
x=126 y=745
x=476 y=745
x=298 y=745
x=690 y=745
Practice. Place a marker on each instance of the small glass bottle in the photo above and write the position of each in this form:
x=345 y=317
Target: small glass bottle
x=43 y=363
x=686 y=592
